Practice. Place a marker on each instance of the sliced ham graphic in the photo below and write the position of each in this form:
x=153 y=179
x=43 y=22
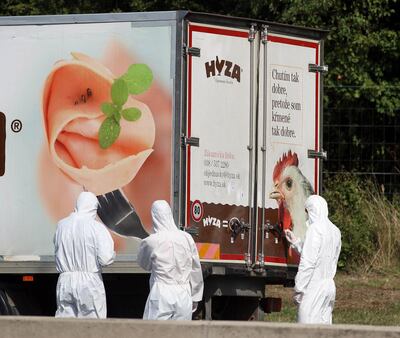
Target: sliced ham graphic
x=72 y=97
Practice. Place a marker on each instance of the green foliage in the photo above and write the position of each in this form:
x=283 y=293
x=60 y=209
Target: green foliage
x=46 y=7
x=136 y=80
x=108 y=132
x=109 y=109
x=345 y=195
x=119 y=92
x=131 y=114
x=369 y=222
x=361 y=48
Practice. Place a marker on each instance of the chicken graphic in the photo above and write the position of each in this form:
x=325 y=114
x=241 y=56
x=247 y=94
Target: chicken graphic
x=291 y=190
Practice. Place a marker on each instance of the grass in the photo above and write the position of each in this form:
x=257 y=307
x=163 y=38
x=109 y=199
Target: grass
x=368 y=220
x=370 y=227
x=368 y=299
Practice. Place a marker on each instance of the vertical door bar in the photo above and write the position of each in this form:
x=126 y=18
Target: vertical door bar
x=264 y=38
x=321 y=114
x=2 y=143
x=250 y=147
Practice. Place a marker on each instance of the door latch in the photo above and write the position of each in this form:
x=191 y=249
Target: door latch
x=317 y=154
x=190 y=141
x=276 y=229
x=314 y=68
x=237 y=227
x=193 y=51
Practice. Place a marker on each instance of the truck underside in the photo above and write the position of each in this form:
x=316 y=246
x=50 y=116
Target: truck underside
x=225 y=297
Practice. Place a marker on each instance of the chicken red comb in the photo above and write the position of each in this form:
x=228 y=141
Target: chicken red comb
x=285 y=161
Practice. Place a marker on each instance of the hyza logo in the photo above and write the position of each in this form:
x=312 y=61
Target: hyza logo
x=211 y=221
x=223 y=67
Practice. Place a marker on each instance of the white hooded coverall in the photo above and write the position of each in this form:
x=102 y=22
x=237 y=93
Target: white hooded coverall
x=176 y=281
x=82 y=247
x=315 y=289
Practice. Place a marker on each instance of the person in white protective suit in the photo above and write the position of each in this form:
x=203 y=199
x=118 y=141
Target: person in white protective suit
x=176 y=281
x=82 y=247
x=315 y=290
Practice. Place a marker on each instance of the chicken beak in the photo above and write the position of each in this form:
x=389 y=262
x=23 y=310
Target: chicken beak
x=276 y=195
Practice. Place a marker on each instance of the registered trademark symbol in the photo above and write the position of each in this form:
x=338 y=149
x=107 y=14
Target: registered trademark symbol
x=16 y=126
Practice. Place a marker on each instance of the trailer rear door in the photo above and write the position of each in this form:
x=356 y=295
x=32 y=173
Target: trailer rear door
x=219 y=114
x=288 y=139
x=241 y=217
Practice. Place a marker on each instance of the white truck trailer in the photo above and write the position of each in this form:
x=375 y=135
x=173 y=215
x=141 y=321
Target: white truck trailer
x=220 y=116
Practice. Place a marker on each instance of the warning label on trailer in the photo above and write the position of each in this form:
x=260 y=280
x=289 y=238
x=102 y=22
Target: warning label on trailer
x=197 y=211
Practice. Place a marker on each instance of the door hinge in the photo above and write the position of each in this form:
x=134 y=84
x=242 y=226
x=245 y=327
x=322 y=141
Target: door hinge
x=190 y=141
x=193 y=51
x=317 y=154
x=313 y=68
x=252 y=32
x=264 y=34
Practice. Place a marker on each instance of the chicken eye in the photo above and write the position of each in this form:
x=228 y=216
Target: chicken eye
x=289 y=183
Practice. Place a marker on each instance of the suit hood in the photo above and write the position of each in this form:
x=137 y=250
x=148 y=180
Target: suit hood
x=87 y=204
x=161 y=215
x=317 y=208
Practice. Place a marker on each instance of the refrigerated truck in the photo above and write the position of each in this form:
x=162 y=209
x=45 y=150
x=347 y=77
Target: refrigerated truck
x=220 y=116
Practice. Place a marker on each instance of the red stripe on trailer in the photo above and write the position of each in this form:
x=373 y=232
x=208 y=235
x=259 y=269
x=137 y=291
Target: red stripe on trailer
x=273 y=259
x=288 y=41
x=219 y=31
x=239 y=257
x=232 y=257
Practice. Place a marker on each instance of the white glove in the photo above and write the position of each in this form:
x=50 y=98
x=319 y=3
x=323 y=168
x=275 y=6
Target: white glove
x=297 y=298
x=291 y=238
x=194 y=306
x=295 y=242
